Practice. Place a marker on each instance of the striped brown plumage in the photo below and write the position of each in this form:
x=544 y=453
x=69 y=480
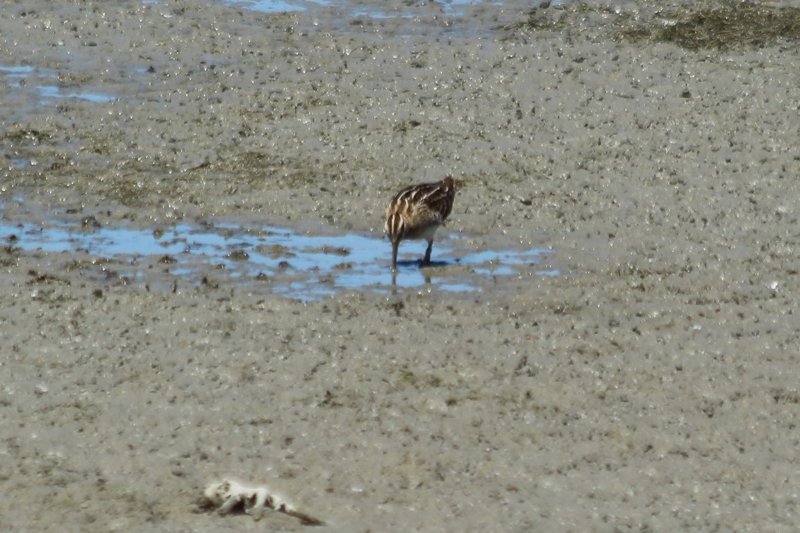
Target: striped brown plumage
x=417 y=211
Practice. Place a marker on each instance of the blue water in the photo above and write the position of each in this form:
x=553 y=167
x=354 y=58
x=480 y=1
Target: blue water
x=298 y=265
x=374 y=9
x=16 y=71
x=280 y=6
x=277 y=6
x=51 y=91
x=41 y=81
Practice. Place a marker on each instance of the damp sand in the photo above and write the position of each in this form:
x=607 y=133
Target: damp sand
x=651 y=385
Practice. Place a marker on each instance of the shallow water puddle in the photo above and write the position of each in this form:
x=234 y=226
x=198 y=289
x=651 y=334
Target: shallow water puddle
x=284 y=261
x=40 y=81
x=375 y=10
x=277 y=6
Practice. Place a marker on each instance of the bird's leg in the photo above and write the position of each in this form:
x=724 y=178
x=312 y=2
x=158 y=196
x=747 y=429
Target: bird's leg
x=427 y=259
x=395 y=244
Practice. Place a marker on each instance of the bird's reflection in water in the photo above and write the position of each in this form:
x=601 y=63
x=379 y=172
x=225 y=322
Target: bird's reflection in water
x=424 y=269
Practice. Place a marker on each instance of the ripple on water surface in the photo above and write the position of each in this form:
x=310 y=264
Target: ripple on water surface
x=297 y=265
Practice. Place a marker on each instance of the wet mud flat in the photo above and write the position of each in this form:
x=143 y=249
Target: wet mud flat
x=653 y=387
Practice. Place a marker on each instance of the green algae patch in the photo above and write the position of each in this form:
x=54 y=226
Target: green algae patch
x=725 y=27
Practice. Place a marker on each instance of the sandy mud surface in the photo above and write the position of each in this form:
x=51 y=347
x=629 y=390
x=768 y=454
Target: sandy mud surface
x=652 y=385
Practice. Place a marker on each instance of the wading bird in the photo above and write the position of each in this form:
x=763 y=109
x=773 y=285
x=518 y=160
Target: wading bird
x=416 y=212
